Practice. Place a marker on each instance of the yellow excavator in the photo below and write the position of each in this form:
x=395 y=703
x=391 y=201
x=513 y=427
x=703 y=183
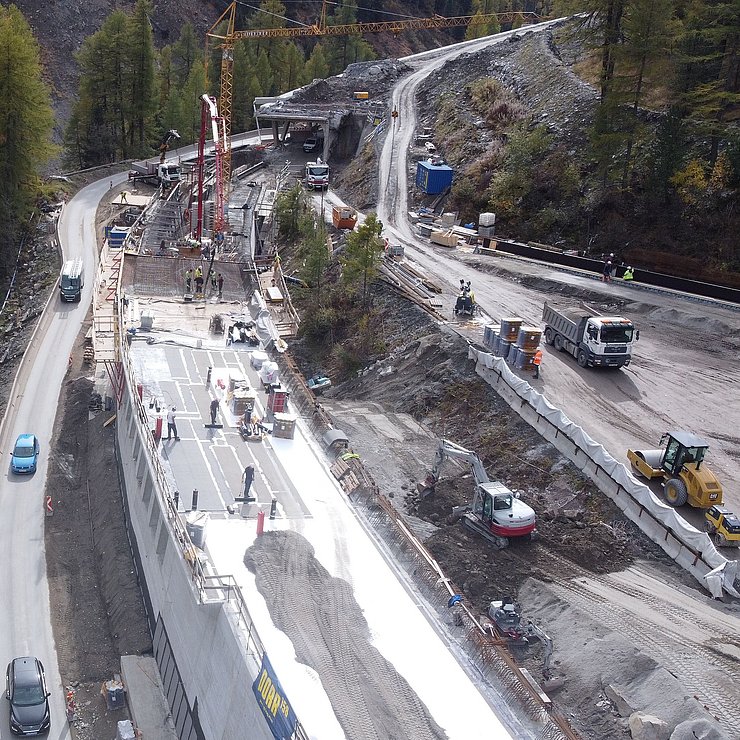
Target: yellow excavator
x=680 y=463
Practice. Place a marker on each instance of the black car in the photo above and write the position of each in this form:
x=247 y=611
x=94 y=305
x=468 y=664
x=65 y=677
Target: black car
x=25 y=688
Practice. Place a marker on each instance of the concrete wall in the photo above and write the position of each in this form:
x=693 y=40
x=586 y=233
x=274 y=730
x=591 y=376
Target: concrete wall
x=208 y=645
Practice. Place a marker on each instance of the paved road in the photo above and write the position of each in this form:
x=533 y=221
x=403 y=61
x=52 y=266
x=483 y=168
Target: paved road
x=26 y=628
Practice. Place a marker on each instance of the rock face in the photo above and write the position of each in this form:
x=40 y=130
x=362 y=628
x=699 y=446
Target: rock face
x=61 y=27
x=648 y=727
x=697 y=729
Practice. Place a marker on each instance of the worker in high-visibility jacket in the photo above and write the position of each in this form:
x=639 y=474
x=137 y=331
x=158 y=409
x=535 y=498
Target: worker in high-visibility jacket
x=629 y=274
x=537 y=361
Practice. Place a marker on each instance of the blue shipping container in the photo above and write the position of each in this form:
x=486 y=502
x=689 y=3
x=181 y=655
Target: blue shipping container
x=433 y=178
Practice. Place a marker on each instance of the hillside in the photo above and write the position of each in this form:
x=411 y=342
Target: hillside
x=61 y=27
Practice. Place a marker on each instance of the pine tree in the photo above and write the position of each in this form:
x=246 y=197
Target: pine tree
x=346 y=49
x=363 y=254
x=26 y=121
x=185 y=52
x=649 y=32
x=191 y=101
x=667 y=152
x=241 y=105
x=98 y=129
x=711 y=73
x=317 y=66
x=140 y=75
x=315 y=253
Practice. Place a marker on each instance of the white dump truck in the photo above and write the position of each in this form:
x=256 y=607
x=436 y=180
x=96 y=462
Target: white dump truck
x=594 y=340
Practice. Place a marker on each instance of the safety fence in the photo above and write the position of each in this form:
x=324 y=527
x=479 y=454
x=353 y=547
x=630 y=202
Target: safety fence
x=481 y=644
x=691 y=549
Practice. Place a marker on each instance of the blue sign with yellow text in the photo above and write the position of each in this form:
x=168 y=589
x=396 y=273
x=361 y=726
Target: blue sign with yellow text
x=273 y=702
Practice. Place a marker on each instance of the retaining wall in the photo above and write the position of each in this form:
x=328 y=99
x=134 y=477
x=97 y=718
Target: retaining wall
x=202 y=615
x=691 y=549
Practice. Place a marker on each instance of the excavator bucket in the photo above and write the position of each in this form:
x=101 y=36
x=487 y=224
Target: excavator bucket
x=426 y=486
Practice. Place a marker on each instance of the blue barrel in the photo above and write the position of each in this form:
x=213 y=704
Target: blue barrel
x=503 y=348
x=525 y=360
x=529 y=338
x=512 y=356
x=510 y=329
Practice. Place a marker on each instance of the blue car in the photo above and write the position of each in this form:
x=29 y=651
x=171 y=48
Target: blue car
x=25 y=454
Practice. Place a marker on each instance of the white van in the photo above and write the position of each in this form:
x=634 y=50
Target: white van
x=72 y=280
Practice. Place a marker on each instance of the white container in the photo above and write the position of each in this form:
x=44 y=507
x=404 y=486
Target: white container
x=257 y=359
x=487 y=219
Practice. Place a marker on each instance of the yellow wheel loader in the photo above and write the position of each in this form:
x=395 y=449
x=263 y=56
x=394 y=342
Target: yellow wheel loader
x=679 y=463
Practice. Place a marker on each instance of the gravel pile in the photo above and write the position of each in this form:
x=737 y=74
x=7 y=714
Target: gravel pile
x=529 y=66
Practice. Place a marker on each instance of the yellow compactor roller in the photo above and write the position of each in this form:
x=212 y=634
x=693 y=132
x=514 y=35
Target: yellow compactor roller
x=680 y=464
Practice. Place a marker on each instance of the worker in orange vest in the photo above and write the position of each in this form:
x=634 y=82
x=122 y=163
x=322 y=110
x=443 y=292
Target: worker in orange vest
x=537 y=361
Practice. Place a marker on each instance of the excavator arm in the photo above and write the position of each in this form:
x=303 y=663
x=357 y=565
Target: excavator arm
x=165 y=144
x=448 y=450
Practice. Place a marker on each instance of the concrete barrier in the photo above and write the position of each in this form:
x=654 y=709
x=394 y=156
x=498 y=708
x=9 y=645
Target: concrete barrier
x=691 y=549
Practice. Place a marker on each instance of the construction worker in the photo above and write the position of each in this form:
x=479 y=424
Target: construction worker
x=537 y=361
x=188 y=280
x=629 y=274
x=248 y=479
x=214 y=410
x=606 y=273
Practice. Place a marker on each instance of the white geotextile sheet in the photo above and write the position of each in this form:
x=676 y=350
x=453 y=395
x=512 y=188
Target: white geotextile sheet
x=715 y=568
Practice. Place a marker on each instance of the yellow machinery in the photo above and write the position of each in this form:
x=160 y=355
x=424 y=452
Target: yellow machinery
x=679 y=463
x=723 y=526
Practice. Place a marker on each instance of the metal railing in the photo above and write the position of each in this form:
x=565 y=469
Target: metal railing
x=483 y=646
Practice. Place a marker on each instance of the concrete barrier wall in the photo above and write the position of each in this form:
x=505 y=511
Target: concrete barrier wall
x=691 y=549
x=209 y=646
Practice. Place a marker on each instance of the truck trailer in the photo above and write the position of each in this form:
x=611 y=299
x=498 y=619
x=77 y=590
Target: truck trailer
x=155 y=173
x=594 y=340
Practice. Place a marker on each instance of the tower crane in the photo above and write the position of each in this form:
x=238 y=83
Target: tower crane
x=225 y=36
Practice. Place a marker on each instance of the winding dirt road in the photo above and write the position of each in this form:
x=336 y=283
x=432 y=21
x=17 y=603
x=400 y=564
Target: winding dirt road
x=685 y=374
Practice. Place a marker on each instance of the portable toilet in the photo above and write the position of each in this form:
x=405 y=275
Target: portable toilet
x=433 y=178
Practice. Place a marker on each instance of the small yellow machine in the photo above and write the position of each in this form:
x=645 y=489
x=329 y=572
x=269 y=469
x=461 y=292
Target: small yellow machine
x=723 y=527
x=679 y=463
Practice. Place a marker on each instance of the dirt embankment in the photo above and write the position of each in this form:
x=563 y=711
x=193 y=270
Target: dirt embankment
x=96 y=603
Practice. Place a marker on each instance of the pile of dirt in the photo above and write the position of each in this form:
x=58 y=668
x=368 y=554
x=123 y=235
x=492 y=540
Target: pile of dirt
x=375 y=78
x=96 y=603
